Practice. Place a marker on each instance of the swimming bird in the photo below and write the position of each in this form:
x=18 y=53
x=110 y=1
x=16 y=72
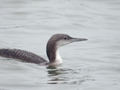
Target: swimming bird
x=56 y=41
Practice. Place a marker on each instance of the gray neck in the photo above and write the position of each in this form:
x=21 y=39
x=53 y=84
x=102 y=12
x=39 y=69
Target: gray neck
x=53 y=53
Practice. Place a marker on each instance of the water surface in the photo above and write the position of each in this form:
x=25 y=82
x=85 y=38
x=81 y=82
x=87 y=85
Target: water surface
x=90 y=65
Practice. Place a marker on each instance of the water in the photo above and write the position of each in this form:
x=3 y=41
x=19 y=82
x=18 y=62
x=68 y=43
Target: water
x=90 y=65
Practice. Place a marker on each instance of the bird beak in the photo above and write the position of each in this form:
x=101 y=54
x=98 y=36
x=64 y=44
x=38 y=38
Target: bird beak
x=78 y=39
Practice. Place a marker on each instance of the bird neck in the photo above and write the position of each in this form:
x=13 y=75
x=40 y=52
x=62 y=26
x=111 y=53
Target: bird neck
x=53 y=54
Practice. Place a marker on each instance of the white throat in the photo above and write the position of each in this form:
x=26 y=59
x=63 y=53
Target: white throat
x=58 y=59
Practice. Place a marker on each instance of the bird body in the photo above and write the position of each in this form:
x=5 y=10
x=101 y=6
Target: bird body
x=53 y=44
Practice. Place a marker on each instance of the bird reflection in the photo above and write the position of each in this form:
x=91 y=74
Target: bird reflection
x=56 y=75
x=60 y=75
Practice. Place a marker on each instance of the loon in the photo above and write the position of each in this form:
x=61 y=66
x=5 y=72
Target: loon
x=56 y=41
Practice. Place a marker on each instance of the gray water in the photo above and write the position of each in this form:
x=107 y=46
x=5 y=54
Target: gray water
x=90 y=65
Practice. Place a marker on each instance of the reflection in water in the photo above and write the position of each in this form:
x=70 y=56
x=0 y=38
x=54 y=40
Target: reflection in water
x=55 y=75
x=54 y=71
x=60 y=75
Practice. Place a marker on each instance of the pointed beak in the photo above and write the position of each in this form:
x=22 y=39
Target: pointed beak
x=78 y=39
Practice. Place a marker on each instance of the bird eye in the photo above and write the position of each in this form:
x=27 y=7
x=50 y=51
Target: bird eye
x=65 y=38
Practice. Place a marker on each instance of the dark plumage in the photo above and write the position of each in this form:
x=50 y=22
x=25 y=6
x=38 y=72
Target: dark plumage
x=53 y=44
x=22 y=55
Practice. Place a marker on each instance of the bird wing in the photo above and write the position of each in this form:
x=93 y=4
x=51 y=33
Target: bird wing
x=22 y=55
